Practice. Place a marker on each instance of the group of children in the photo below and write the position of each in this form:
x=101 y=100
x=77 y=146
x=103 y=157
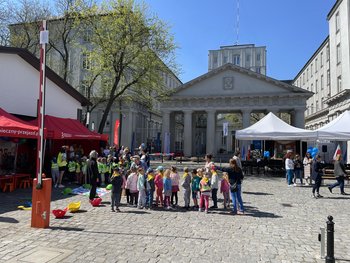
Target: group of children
x=159 y=188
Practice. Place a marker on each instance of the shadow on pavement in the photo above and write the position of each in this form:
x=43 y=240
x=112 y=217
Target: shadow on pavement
x=8 y=220
x=337 y=198
x=121 y=233
x=140 y=212
x=342 y=260
x=65 y=217
x=66 y=228
x=256 y=193
x=79 y=211
x=144 y=234
x=254 y=212
x=10 y=200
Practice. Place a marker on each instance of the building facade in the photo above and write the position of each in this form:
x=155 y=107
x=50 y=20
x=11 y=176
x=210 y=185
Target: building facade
x=192 y=114
x=327 y=73
x=247 y=56
x=138 y=124
x=19 y=75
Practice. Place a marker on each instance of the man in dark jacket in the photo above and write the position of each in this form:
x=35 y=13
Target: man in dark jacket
x=317 y=176
x=92 y=172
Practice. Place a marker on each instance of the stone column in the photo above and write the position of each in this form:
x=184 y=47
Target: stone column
x=188 y=132
x=299 y=118
x=211 y=125
x=165 y=129
x=246 y=118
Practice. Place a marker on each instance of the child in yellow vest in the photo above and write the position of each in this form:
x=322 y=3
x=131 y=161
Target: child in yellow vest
x=205 y=189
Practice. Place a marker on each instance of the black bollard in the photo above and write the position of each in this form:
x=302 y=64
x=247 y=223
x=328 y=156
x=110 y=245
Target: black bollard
x=330 y=240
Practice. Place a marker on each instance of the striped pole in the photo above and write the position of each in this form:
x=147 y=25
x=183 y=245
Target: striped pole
x=44 y=38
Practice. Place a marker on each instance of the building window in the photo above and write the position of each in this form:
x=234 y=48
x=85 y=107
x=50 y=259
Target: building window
x=312 y=87
x=87 y=64
x=327 y=49
x=80 y=115
x=258 y=70
x=316 y=65
x=304 y=78
x=223 y=139
x=87 y=36
x=316 y=86
x=307 y=74
x=328 y=77
x=321 y=58
x=311 y=70
x=225 y=60
x=236 y=60
x=337 y=22
x=312 y=108
x=339 y=84
x=338 y=54
x=84 y=88
x=322 y=103
x=215 y=59
x=258 y=57
x=247 y=58
x=316 y=105
x=321 y=82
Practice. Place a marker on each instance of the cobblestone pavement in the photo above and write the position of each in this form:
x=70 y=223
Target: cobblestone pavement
x=281 y=224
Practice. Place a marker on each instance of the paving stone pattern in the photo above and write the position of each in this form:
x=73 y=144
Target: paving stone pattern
x=281 y=224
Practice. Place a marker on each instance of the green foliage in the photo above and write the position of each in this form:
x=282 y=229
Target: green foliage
x=129 y=48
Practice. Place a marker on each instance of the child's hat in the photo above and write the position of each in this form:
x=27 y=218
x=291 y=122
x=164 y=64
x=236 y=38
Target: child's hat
x=160 y=168
x=149 y=170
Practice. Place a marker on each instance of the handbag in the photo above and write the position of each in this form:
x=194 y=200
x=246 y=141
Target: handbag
x=233 y=187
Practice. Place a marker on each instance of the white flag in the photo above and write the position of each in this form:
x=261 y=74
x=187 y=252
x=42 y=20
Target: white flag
x=337 y=151
x=225 y=128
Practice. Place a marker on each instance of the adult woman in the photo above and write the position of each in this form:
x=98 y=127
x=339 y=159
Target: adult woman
x=289 y=165
x=307 y=168
x=317 y=176
x=208 y=163
x=235 y=177
x=339 y=173
x=298 y=169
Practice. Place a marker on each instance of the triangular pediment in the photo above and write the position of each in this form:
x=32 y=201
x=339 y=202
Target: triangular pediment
x=231 y=80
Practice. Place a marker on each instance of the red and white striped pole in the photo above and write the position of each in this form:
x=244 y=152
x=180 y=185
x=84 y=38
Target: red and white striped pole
x=44 y=39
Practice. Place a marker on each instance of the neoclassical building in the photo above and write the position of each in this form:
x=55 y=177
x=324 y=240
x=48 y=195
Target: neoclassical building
x=191 y=115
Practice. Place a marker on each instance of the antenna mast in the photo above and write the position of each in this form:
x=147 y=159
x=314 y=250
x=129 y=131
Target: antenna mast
x=237 y=22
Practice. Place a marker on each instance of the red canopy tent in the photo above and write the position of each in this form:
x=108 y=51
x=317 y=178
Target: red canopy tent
x=11 y=126
x=69 y=129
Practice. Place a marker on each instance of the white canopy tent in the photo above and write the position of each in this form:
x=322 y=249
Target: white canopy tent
x=336 y=130
x=273 y=128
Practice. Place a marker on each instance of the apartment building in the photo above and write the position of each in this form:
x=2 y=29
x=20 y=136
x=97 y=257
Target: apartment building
x=327 y=72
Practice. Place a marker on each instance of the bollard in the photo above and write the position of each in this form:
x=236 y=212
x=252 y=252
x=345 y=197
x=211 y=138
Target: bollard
x=330 y=240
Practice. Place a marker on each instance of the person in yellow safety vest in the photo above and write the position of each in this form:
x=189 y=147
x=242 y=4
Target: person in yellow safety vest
x=78 y=172
x=100 y=171
x=62 y=165
x=71 y=170
x=109 y=167
x=55 y=173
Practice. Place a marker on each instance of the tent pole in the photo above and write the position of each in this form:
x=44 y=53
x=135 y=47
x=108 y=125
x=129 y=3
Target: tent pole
x=15 y=164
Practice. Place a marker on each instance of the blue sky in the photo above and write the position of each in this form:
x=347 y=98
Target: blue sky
x=291 y=30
